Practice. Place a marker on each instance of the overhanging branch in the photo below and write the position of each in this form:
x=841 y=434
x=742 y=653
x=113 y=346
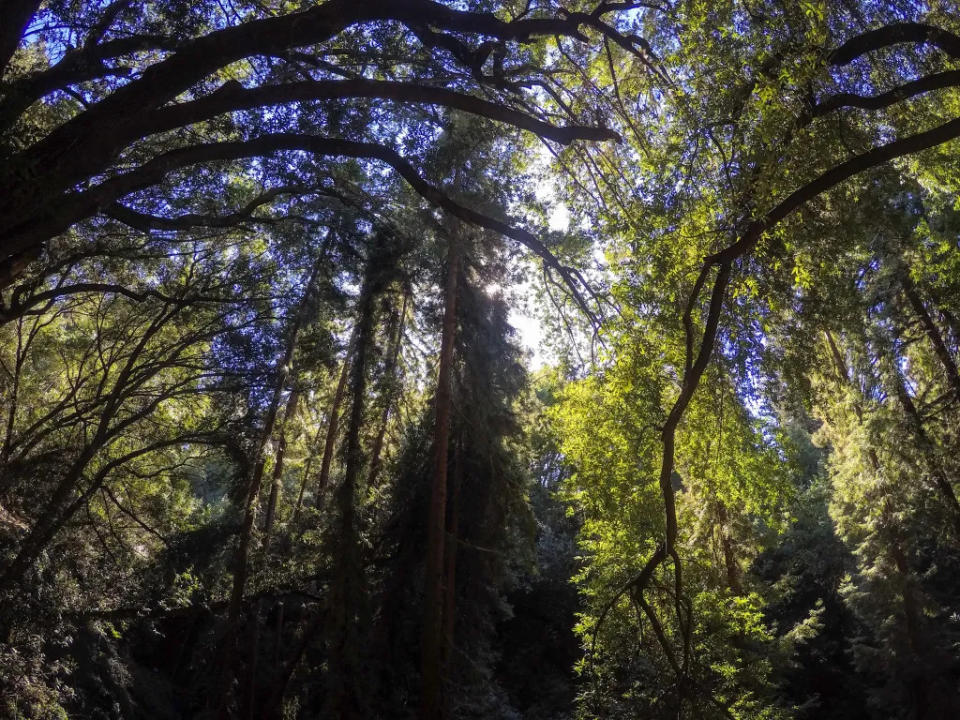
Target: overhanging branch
x=937 y=81
x=232 y=97
x=894 y=34
x=104 y=195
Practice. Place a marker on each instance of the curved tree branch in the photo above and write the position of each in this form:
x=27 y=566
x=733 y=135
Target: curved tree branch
x=15 y=15
x=36 y=182
x=833 y=177
x=46 y=298
x=937 y=81
x=894 y=34
x=724 y=260
x=233 y=96
x=146 y=223
x=197 y=59
x=81 y=205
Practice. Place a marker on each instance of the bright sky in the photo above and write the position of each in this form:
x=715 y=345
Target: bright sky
x=529 y=328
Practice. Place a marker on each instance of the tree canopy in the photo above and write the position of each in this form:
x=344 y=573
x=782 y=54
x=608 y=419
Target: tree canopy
x=481 y=359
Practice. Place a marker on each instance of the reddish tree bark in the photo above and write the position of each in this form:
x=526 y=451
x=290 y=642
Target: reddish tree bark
x=432 y=644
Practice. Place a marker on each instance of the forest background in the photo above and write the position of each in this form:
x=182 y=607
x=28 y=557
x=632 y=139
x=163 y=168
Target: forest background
x=270 y=446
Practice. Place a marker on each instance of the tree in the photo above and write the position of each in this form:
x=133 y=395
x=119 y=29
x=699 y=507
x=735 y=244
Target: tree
x=189 y=72
x=740 y=146
x=267 y=447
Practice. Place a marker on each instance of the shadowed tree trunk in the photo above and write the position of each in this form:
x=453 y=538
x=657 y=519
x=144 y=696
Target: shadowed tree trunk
x=277 y=473
x=432 y=706
x=305 y=477
x=269 y=520
x=333 y=423
x=729 y=555
x=227 y=656
x=390 y=394
x=346 y=677
x=453 y=540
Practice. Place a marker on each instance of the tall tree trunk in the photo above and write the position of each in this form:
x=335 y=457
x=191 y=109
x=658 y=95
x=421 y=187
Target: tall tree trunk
x=13 y=396
x=227 y=655
x=269 y=520
x=933 y=333
x=390 y=394
x=256 y=479
x=453 y=536
x=333 y=423
x=729 y=555
x=305 y=478
x=277 y=473
x=345 y=676
x=432 y=705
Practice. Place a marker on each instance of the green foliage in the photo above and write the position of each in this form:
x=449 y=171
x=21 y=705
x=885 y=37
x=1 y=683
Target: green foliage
x=218 y=394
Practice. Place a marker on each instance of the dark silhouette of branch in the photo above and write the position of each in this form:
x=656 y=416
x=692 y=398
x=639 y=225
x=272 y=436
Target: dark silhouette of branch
x=104 y=195
x=695 y=365
x=15 y=15
x=894 y=34
x=76 y=66
x=146 y=223
x=47 y=298
x=233 y=96
x=833 y=177
x=937 y=81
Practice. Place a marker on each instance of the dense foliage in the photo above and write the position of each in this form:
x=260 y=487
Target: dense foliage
x=271 y=446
